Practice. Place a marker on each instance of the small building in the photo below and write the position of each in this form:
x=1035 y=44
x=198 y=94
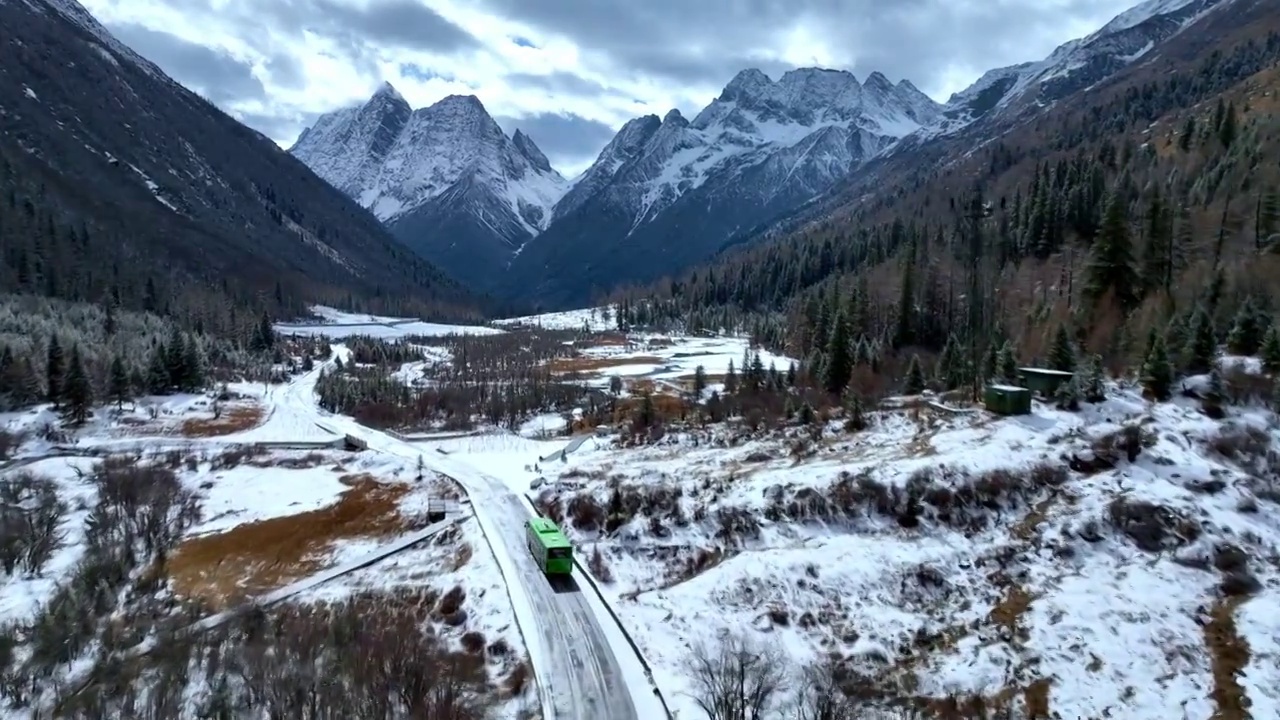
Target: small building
x=1043 y=381
x=1008 y=400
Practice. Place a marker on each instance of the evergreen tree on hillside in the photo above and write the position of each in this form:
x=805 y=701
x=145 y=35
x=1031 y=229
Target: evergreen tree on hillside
x=1202 y=344
x=1247 y=330
x=78 y=392
x=1111 y=266
x=915 y=377
x=119 y=389
x=55 y=372
x=1093 y=384
x=1157 y=371
x=1062 y=354
x=839 y=356
x=1008 y=363
x=1270 y=350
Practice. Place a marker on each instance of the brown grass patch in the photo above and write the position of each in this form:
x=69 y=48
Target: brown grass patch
x=686 y=381
x=233 y=420
x=461 y=556
x=666 y=407
x=1228 y=656
x=1009 y=611
x=257 y=557
x=584 y=363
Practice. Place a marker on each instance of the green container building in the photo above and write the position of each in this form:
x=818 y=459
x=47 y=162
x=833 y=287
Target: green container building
x=1008 y=400
x=1043 y=381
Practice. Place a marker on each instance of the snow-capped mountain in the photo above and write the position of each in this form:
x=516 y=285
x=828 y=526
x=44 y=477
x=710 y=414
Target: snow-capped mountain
x=445 y=179
x=665 y=193
x=1079 y=64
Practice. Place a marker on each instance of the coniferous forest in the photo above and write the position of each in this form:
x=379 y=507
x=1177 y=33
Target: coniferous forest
x=1134 y=233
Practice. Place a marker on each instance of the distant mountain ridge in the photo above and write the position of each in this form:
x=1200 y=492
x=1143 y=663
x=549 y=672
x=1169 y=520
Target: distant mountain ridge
x=669 y=192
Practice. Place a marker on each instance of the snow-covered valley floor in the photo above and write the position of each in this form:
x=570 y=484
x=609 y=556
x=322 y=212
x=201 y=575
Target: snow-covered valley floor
x=216 y=522
x=1022 y=561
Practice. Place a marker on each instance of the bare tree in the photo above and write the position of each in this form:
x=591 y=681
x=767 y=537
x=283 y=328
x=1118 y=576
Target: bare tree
x=819 y=695
x=736 y=679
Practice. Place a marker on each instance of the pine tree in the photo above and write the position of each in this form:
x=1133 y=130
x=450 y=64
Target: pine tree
x=1157 y=370
x=699 y=382
x=946 y=371
x=1111 y=267
x=119 y=389
x=1068 y=395
x=78 y=392
x=1246 y=331
x=915 y=377
x=1271 y=349
x=1062 y=354
x=1188 y=134
x=55 y=372
x=855 y=414
x=158 y=371
x=730 y=380
x=1093 y=386
x=1202 y=344
x=839 y=365
x=1008 y=363
x=1229 y=127
x=1215 y=395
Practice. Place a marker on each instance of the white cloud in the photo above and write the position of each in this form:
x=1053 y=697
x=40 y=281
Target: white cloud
x=602 y=62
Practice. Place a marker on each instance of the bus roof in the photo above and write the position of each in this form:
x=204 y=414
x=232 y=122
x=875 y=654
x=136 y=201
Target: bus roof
x=548 y=533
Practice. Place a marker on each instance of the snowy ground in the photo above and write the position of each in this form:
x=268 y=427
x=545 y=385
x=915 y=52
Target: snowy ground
x=599 y=319
x=1094 y=592
x=271 y=518
x=337 y=324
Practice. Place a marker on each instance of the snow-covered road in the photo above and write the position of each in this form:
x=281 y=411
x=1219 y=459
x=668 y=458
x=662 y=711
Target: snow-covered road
x=579 y=675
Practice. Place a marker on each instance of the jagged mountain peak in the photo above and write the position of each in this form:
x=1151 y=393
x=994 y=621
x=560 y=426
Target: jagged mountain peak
x=531 y=151
x=388 y=91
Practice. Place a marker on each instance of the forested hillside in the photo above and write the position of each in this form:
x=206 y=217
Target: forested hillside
x=1128 y=224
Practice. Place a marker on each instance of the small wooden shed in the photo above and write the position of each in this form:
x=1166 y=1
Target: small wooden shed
x=1008 y=400
x=1043 y=381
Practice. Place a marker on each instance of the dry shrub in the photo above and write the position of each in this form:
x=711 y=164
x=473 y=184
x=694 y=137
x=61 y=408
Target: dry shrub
x=306 y=462
x=518 y=679
x=451 y=601
x=256 y=557
x=585 y=512
x=473 y=642
x=231 y=420
x=9 y=441
x=1152 y=527
x=599 y=567
x=1242 y=444
x=1243 y=387
x=940 y=494
x=373 y=651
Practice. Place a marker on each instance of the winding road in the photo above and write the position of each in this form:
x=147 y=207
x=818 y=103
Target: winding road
x=579 y=676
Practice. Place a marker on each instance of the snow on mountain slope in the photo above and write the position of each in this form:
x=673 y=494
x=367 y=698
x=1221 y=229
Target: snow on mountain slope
x=445 y=178
x=670 y=192
x=1079 y=63
x=393 y=159
x=753 y=119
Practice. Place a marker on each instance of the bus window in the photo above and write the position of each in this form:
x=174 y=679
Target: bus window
x=559 y=553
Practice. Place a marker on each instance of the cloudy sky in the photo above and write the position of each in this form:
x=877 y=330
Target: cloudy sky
x=569 y=72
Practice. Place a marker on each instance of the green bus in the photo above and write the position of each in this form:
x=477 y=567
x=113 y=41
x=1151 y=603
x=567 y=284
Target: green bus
x=549 y=546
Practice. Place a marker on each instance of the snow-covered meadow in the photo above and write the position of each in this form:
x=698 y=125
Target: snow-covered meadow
x=1025 y=560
